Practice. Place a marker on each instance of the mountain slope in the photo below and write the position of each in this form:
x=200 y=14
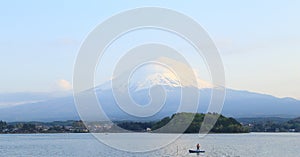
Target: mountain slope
x=237 y=104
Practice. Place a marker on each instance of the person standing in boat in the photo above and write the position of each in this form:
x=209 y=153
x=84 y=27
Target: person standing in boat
x=198 y=146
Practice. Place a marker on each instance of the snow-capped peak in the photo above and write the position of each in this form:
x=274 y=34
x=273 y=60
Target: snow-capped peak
x=167 y=79
x=151 y=75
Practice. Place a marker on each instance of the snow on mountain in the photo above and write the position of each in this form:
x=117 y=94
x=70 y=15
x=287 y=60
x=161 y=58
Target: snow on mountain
x=148 y=76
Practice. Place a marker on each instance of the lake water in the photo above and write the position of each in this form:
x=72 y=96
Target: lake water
x=215 y=145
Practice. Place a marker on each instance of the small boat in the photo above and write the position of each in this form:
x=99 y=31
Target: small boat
x=196 y=151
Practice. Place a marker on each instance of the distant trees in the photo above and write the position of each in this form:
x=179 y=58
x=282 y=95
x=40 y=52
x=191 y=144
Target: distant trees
x=274 y=126
x=135 y=126
x=177 y=123
x=40 y=127
x=228 y=125
x=79 y=127
x=28 y=128
x=3 y=125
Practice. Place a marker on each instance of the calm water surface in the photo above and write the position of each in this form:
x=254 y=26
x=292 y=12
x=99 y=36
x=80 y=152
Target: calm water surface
x=215 y=145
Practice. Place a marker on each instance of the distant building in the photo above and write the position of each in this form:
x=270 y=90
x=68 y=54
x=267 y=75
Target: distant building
x=292 y=130
x=68 y=127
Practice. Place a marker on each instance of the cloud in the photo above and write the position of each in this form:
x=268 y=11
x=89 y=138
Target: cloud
x=64 y=85
x=10 y=104
x=181 y=68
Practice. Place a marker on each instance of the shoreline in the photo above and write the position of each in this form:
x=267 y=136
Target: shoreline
x=149 y=133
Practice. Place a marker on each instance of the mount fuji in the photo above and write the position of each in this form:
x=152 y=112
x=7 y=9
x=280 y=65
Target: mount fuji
x=237 y=103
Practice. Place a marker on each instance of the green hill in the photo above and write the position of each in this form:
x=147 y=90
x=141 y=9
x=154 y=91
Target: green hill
x=177 y=124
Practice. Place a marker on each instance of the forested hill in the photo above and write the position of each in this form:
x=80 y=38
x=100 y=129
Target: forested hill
x=176 y=123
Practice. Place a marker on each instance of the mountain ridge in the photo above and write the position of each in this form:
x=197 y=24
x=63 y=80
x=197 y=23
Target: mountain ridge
x=237 y=104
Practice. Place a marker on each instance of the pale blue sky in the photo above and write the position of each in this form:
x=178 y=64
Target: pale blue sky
x=258 y=41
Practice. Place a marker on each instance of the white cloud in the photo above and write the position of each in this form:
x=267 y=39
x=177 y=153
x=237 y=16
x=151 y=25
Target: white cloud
x=64 y=85
x=10 y=104
x=182 y=69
